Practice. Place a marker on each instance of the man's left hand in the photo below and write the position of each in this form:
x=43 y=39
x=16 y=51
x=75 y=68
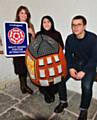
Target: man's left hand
x=80 y=75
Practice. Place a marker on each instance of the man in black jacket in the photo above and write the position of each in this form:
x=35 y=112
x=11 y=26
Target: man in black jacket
x=81 y=53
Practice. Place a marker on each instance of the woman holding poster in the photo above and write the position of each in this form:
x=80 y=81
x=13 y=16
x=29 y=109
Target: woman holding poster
x=23 y=15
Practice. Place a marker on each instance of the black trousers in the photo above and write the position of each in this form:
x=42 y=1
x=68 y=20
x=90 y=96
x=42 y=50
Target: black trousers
x=59 y=88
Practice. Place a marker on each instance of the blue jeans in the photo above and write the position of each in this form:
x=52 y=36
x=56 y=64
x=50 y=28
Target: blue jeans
x=86 y=86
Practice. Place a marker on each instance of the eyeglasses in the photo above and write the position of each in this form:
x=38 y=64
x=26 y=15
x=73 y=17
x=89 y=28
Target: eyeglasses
x=77 y=25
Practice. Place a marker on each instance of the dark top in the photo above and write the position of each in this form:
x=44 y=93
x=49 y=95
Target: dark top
x=82 y=52
x=55 y=35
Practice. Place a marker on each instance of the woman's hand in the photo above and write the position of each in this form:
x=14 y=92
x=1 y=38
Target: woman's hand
x=31 y=32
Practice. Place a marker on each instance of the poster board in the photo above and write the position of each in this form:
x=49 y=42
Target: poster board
x=15 y=38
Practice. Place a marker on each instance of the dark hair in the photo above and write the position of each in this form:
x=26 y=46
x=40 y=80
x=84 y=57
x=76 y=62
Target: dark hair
x=27 y=12
x=80 y=17
x=50 y=19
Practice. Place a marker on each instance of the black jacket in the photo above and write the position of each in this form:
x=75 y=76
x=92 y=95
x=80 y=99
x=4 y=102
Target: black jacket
x=82 y=51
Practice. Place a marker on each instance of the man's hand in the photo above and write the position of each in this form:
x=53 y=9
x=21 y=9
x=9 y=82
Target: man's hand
x=73 y=73
x=76 y=75
x=80 y=75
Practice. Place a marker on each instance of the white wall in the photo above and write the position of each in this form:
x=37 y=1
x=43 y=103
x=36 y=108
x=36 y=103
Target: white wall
x=62 y=12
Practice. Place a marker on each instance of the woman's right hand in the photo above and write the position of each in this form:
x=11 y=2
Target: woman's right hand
x=31 y=32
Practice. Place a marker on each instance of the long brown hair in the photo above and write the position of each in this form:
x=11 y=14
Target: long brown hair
x=27 y=12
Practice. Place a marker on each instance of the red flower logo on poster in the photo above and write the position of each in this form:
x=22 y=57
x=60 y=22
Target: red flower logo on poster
x=16 y=36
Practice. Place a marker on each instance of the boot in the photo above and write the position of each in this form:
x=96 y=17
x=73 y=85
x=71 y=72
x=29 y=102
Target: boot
x=23 y=85
x=59 y=108
x=83 y=115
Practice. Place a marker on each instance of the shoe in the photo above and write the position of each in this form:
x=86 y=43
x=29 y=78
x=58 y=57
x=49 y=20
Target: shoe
x=26 y=89
x=49 y=99
x=59 y=108
x=83 y=115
